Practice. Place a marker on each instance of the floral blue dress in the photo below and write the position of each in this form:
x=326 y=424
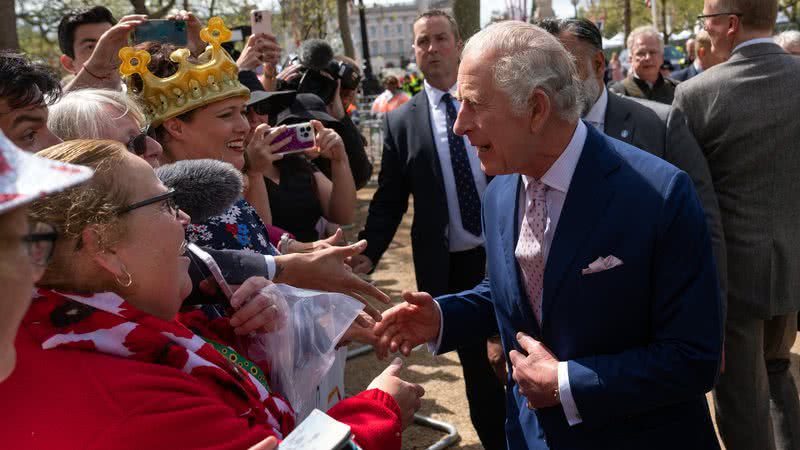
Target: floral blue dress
x=238 y=228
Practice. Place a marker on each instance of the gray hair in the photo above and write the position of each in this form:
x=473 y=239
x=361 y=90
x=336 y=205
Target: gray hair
x=646 y=30
x=84 y=114
x=528 y=57
x=789 y=40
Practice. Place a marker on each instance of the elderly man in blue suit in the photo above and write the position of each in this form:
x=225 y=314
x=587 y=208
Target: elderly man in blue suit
x=600 y=272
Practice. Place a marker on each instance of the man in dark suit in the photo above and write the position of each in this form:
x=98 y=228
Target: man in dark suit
x=744 y=115
x=422 y=157
x=600 y=269
x=705 y=59
x=650 y=126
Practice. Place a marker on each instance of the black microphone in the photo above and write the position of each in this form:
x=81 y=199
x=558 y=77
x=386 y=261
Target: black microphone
x=204 y=187
x=316 y=54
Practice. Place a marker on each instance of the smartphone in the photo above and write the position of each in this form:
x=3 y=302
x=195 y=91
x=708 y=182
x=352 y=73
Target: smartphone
x=261 y=21
x=213 y=267
x=302 y=137
x=169 y=31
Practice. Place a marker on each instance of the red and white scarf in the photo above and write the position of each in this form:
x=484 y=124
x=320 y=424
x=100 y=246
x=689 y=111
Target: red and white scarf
x=105 y=323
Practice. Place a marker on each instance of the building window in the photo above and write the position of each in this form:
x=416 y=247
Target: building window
x=388 y=45
x=372 y=31
x=373 y=46
x=385 y=30
x=401 y=46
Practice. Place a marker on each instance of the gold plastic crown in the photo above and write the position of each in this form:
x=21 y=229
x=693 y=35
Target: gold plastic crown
x=193 y=85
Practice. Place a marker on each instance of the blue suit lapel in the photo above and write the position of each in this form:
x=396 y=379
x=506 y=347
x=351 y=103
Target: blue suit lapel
x=587 y=199
x=508 y=195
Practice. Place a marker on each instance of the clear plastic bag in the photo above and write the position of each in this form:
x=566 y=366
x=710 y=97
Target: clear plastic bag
x=302 y=348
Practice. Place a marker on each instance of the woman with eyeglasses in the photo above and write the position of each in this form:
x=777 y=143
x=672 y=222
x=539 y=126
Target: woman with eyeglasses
x=25 y=245
x=104 y=360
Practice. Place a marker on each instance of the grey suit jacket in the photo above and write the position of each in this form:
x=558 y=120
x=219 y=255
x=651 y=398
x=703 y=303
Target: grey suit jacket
x=661 y=130
x=745 y=115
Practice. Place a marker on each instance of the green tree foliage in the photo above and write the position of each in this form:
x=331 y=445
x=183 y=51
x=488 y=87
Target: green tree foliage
x=791 y=8
x=681 y=14
x=468 y=16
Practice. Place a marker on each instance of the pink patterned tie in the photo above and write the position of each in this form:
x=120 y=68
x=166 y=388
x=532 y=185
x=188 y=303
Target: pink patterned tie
x=529 y=251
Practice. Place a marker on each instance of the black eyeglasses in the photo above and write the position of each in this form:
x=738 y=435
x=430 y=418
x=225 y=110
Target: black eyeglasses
x=138 y=144
x=701 y=19
x=167 y=197
x=39 y=242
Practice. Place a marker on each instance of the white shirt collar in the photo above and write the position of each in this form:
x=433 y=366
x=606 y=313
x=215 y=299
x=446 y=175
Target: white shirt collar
x=635 y=75
x=435 y=95
x=764 y=40
x=559 y=175
x=598 y=112
x=697 y=66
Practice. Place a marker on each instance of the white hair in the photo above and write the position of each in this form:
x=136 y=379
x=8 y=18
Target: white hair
x=527 y=57
x=646 y=30
x=90 y=113
x=789 y=39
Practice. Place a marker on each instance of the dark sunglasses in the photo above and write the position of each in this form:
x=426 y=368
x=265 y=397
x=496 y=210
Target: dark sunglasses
x=168 y=197
x=138 y=144
x=39 y=242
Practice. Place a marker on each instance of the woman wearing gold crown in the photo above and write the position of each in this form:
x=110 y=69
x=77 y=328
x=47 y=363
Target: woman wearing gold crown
x=196 y=110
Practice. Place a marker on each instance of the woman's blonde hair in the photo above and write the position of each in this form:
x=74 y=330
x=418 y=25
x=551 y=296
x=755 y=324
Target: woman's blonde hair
x=90 y=113
x=93 y=203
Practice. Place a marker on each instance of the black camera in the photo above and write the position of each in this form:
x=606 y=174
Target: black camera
x=320 y=71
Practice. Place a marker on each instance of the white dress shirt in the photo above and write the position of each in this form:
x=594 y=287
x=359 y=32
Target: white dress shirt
x=597 y=115
x=459 y=239
x=557 y=178
x=764 y=40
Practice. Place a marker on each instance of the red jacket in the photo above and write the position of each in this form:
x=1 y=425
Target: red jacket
x=70 y=399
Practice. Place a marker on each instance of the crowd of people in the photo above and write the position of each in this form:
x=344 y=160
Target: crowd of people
x=602 y=249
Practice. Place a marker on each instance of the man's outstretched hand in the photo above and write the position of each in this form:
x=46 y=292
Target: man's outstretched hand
x=407 y=325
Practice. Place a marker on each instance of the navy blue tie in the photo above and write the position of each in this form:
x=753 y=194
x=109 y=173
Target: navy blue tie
x=469 y=202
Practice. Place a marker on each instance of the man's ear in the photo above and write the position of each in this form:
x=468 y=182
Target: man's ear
x=68 y=64
x=540 y=108
x=734 y=25
x=599 y=64
x=701 y=53
x=93 y=245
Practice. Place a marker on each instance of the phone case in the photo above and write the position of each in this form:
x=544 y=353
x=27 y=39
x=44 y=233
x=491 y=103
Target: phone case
x=302 y=138
x=261 y=22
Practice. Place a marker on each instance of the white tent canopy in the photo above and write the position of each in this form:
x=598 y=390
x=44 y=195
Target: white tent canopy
x=614 y=42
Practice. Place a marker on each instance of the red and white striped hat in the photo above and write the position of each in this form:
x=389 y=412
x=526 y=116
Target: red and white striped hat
x=24 y=177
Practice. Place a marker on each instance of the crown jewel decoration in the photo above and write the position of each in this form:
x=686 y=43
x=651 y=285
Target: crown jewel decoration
x=193 y=85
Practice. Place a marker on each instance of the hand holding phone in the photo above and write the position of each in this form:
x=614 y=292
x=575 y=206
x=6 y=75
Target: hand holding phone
x=301 y=137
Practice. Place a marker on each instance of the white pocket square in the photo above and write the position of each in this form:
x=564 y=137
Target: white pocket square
x=601 y=264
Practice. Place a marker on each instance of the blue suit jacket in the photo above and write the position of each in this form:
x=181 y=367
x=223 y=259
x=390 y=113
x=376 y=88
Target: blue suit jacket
x=643 y=340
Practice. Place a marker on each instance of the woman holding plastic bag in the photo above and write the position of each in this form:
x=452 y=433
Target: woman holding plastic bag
x=103 y=362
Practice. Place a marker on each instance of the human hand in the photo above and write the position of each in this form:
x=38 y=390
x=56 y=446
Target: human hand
x=334 y=240
x=497 y=359
x=260 y=48
x=290 y=73
x=270 y=443
x=262 y=147
x=536 y=375
x=329 y=144
x=105 y=61
x=193 y=27
x=336 y=107
x=255 y=311
x=325 y=270
x=407 y=395
x=360 y=264
x=360 y=333
x=408 y=324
